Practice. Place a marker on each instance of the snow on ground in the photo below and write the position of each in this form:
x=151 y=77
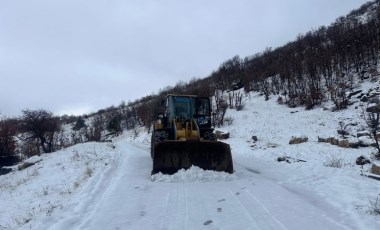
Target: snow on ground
x=274 y=125
x=193 y=174
x=38 y=191
x=109 y=186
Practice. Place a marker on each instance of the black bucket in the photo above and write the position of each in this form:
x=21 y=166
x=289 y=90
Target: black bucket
x=171 y=156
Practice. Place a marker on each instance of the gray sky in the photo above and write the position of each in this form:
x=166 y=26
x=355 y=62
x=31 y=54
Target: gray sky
x=79 y=56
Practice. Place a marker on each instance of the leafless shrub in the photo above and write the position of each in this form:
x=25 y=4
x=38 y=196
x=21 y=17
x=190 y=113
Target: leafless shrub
x=66 y=189
x=338 y=94
x=8 y=130
x=220 y=109
x=50 y=208
x=280 y=100
x=334 y=162
x=235 y=101
x=374 y=206
x=44 y=191
x=94 y=132
x=371 y=116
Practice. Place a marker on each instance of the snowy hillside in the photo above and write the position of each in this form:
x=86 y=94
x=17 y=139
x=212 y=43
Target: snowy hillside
x=109 y=186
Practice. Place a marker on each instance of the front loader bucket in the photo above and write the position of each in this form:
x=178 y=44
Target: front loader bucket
x=171 y=156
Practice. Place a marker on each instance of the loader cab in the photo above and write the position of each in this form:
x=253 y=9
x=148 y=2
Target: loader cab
x=203 y=112
x=180 y=107
x=184 y=108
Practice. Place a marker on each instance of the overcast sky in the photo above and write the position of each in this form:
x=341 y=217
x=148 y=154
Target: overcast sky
x=79 y=56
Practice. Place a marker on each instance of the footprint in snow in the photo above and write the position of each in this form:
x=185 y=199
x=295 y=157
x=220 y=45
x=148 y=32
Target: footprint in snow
x=221 y=200
x=219 y=209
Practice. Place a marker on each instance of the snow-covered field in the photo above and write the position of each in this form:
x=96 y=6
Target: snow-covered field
x=109 y=186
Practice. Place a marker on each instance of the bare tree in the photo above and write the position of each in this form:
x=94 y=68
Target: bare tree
x=8 y=130
x=220 y=109
x=94 y=132
x=372 y=118
x=40 y=125
x=79 y=124
x=149 y=112
x=114 y=123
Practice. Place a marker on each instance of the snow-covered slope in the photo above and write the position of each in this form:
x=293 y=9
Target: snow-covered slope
x=109 y=186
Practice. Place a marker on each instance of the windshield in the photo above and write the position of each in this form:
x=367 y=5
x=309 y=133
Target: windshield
x=203 y=107
x=183 y=107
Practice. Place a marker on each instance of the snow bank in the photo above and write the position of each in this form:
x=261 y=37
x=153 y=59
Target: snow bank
x=33 y=159
x=193 y=174
x=37 y=192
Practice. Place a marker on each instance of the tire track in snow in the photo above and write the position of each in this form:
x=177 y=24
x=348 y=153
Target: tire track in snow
x=291 y=207
x=103 y=192
x=127 y=204
x=91 y=196
x=259 y=215
x=176 y=208
x=168 y=210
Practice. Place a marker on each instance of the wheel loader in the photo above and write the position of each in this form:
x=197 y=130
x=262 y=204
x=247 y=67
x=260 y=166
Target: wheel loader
x=183 y=137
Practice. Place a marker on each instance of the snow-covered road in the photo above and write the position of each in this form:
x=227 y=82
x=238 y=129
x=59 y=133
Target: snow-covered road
x=126 y=197
x=109 y=186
